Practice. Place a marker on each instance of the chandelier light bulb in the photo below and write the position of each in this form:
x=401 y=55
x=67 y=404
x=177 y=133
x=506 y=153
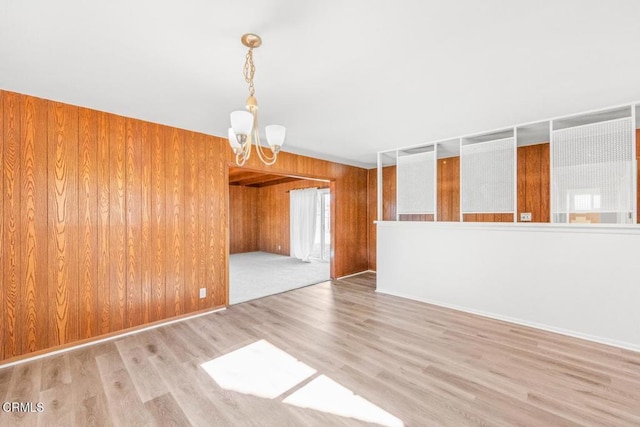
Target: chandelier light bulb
x=241 y=122
x=275 y=135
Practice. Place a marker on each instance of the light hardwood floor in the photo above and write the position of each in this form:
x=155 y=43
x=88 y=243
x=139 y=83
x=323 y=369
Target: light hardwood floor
x=422 y=364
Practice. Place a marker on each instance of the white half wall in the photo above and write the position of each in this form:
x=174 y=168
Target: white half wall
x=582 y=281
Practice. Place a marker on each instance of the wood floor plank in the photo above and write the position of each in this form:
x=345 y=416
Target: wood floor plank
x=55 y=372
x=5 y=381
x=24 y=388
x=88 y=394
x=197 y=406
x=165 y=411
x=423 y=364
x=146 y=380
x=125 y=406
x=58 y=404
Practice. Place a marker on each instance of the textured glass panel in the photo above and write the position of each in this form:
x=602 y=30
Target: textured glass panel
x=487 y=181
x=416 y=184
x=593 y=170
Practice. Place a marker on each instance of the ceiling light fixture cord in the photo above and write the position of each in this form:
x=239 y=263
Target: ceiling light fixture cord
x=249 y=71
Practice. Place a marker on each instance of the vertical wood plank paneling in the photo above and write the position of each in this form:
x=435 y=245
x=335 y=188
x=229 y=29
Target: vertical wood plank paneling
x=158 y=223
x=389 y=193
x=545 y=177
x=533 y=181
x=103 y=223
x=201 y=153
x=215 y=172
x=217 y=195
x=442 y=197
x=87 y=219
x=245 y=235
x=448 y=186
x=372 y=207
x=146 y=253
x=34 y=231
x=11 y=236
x=521 y=181
x=507 y=217
x=117 y=222
x=133 y=223
x=174 y=139
x=191 y=278
x=63 y=218
x=2 y=307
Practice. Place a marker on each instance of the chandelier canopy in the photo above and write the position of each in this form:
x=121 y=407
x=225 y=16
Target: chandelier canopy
x=243 y=132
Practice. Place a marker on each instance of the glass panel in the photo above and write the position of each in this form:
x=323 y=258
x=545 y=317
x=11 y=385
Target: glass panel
x=487 y=176
x=593 y=173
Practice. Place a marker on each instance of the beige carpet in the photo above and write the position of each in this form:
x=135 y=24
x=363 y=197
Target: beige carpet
x=258 y=274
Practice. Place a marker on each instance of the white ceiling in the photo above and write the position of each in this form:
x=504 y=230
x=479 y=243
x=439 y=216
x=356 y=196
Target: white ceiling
x=347 y=78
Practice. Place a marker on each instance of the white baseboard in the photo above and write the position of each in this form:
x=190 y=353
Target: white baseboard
x=574 y=334
x=101 y=340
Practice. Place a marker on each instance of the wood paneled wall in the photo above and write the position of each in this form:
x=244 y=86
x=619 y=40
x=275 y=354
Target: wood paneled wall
x=274 y=215
x=534 y=192
x=244 y=219
x=109 y=222
x=488 y=217
x=449 y=189
x=372 y=216
x=259 y=216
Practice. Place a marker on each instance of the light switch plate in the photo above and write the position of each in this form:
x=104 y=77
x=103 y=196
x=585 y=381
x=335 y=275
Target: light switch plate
x=203 y=292
x=525 y=216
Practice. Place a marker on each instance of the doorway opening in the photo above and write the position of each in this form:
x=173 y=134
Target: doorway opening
x=263 y=258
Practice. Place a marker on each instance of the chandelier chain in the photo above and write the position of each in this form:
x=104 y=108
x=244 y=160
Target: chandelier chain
x=249 y=71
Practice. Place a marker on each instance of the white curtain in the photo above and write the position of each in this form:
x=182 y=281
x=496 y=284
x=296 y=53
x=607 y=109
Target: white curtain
x=303 y=222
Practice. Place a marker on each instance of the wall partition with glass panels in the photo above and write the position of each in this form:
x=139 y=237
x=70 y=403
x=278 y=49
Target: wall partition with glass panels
x=593 y=168
x=582 y=170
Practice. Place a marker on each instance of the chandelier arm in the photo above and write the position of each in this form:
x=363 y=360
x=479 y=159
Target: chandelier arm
x=240 y=159
x=266 y=158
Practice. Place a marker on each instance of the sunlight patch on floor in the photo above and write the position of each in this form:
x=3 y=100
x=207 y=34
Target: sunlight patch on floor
x=262 y=369
x=259 y=369
x=326 y=395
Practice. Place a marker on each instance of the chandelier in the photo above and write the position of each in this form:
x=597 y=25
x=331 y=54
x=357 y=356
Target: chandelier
x=243 y=132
